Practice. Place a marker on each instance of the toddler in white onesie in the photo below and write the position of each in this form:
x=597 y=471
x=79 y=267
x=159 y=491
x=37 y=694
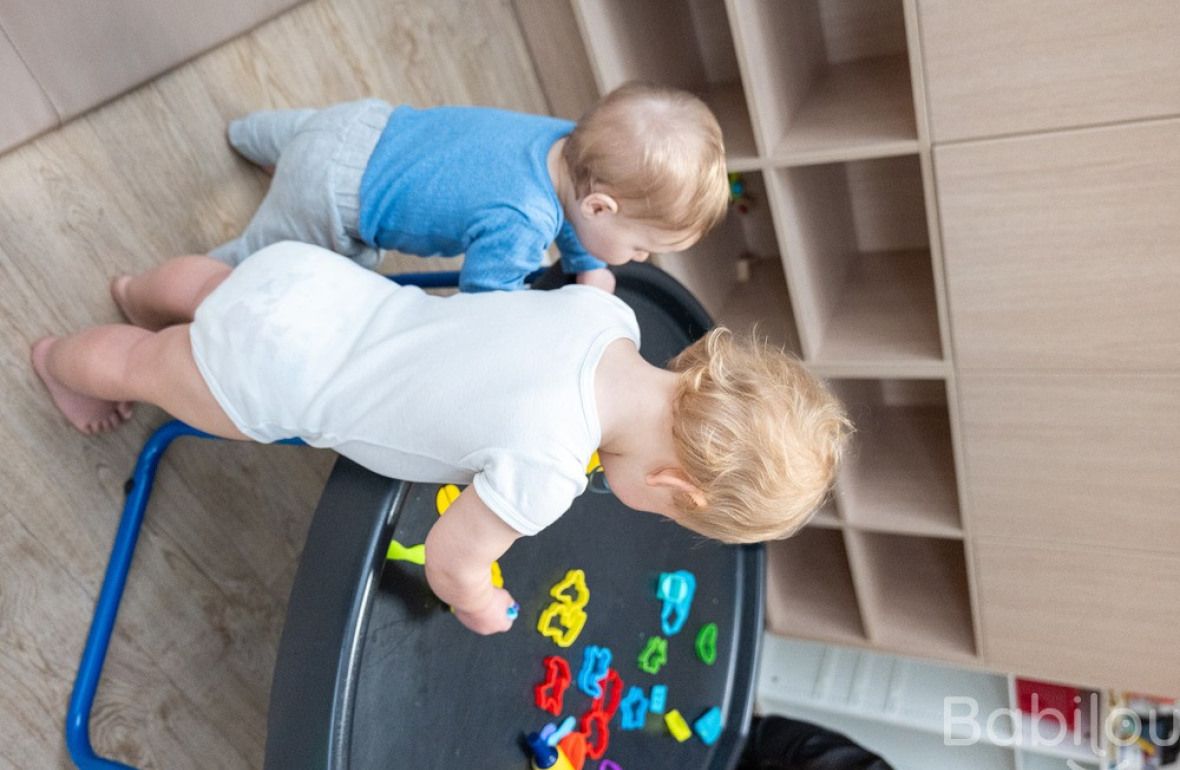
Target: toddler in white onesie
x=509 y=392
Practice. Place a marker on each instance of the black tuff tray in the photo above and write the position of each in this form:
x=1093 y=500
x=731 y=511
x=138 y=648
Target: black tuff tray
x=373 y=672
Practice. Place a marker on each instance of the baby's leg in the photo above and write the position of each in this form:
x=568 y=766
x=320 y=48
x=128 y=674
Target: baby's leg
x=91 y=374
x=169 y=293
x=261 y=136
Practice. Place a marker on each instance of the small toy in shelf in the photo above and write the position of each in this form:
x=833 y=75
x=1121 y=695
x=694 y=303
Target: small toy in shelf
x=739 y=195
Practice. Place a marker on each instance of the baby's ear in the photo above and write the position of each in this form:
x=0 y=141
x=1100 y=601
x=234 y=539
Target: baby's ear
x=598 y=203
x=677 y=480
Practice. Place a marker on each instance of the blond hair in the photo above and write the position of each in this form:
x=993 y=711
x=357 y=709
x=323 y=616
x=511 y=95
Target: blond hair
x=658 y=151
x=757 y=433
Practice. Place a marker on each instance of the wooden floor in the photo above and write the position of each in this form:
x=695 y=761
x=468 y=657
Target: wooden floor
x=146 y=177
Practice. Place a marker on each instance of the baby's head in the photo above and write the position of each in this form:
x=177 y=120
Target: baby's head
x=757 y=434
x=647 y=167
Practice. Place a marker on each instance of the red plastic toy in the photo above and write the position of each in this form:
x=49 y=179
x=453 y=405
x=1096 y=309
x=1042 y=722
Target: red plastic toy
x=574 y=747
x=595 y=723
x=550 y=694
x=612 y=694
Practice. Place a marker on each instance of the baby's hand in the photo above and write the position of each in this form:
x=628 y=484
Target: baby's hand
x=495 y=617
x=601 y=278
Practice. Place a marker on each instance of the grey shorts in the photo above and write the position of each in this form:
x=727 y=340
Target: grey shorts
x=319 y=157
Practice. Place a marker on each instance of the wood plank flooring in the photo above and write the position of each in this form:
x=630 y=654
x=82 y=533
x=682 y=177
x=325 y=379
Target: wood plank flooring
x=120 y=189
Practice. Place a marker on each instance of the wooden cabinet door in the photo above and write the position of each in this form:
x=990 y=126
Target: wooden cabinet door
x=1062 y=251
x=1012 y=66
x=1074 y=458
x=1080 y=615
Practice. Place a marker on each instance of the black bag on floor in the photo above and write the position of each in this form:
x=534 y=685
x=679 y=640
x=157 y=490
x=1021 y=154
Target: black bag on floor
x=778 y=743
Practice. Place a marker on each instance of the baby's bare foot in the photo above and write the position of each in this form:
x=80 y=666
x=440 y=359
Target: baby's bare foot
x=87 y=414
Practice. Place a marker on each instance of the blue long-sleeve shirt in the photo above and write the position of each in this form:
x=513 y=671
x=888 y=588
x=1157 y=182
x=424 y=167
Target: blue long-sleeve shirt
x=469 y=180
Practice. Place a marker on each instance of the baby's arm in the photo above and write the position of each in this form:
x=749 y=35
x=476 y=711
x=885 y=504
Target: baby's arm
x=460 y=549
x=501 y=256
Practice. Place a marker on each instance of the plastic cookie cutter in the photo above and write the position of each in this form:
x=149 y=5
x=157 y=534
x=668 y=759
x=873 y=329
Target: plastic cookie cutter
x=706 y=644
x=550 y=694
x=708 y=726
x=572 y=589
x=634 y=709
x=659 y=698
x=607 y=764
x=595 y=726
x=595 y=664
x=677 y=590
x=612 y=694
x=595 y=723
x=570 y=621
x=654 y=655
x=570 y=594
x=677 y=726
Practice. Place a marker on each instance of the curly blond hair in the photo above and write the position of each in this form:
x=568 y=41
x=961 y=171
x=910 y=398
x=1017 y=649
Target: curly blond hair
x=658 y=151
x=757 y=433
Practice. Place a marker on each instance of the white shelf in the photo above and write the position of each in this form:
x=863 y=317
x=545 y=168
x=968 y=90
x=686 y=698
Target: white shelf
x=895 y=706
x=904 y=750
x=1031 y=761
x=864 y=684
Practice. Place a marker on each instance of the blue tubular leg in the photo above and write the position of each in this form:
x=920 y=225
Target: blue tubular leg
x=107 y=608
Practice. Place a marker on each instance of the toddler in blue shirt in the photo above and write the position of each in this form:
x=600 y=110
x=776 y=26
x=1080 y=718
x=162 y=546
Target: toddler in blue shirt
x=643 y=171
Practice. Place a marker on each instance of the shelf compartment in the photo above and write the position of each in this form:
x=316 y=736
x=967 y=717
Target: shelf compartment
x=886 y=688
x=681 y=43
x=899 y=475
x=859 y=252
x=809 y=591
x=829 y=79
x=914 y=593
x=737 y=274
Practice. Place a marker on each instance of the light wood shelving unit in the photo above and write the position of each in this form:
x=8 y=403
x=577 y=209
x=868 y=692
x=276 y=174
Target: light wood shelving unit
x=836 y=259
